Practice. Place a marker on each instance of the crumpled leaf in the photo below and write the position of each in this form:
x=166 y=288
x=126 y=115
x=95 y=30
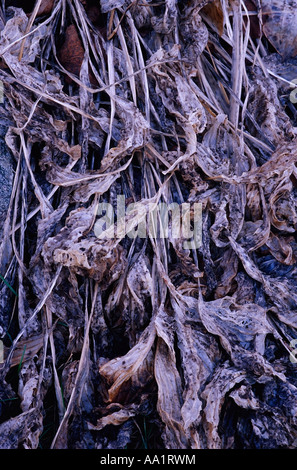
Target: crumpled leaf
x=42 y=125
x=102 y=260
x=279 y=25
x=84 y=185
x=235 y=324
x=108 y=5
x=181 y=101
x=282 y=292
x=214 y=13
x=169 y=387
x=224 y=379
x=167 y=22
x=280 y=165
x=133 y=137
x=198 y=359
x=15 y=430
x=15 y=28
x=245 y=398
x=282 y=248
x=119 y=370
x=264 y=104
x=116 y=418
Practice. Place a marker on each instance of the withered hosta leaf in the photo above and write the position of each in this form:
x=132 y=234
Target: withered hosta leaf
x=214 y=13
x=45 y=7
x=15 y=430
x=119 y=370
x=148 y=270
x=223 y=380
x=116 y=418
x=71 y=54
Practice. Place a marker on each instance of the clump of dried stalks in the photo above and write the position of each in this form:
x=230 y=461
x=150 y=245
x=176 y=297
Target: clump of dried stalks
x=114 y=343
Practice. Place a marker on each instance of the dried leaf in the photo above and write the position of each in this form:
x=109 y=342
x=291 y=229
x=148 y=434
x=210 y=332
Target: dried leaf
x=235 y=324
x=15 y=29
x=169 y=387
x=71 y=54
x=198 y=358
x=230 y=267
x=193 y=344
x=108 y=5
x=194 y=34
x=245 y=398
x=117 y=418
x=133 y=137
x=101 y=260
x=25 y=350
x=279 y=25
x=282 y=248
x=224 y=379
x=14 y=431
x=119 y=370
x=167 y=23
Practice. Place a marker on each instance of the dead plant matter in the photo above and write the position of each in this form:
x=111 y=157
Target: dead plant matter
x=140 y=342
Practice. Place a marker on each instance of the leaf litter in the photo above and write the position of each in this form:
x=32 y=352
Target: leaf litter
x=166 y=102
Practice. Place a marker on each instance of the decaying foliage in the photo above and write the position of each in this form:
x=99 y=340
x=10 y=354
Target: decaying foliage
x=132 y=342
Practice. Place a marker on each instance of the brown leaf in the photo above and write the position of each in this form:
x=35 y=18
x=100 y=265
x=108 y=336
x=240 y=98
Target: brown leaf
x=116 y=418
x=236 y=325
x=71 y=54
